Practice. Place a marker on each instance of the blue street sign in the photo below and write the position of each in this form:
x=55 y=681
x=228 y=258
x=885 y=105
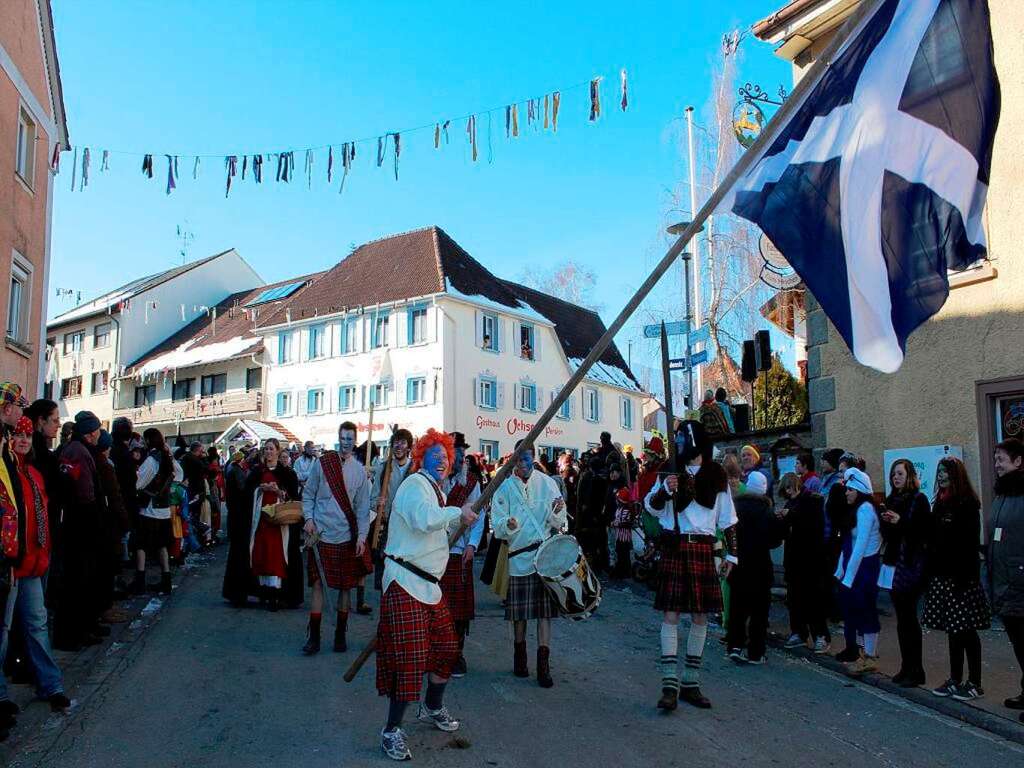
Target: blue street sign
x=698 y=358
x=678 y=328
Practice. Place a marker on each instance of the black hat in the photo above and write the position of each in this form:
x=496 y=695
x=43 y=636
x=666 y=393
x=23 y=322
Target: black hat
x=695 y=442
x=832 y=456
x=86 y=422
x=460 y=440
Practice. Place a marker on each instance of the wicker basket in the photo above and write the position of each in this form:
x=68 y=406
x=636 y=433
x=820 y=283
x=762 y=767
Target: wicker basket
x=285 y=513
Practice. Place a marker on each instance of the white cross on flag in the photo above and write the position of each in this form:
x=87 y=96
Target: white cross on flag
x=875 y=187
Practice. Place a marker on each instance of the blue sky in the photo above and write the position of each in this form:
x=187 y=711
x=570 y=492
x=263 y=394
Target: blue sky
x=232 y=77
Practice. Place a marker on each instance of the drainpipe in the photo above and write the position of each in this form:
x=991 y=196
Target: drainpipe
x=115 y=385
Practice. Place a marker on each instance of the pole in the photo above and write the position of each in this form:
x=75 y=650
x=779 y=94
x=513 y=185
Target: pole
x=696 y=242
x=669 y=418
x=743 y=165
x=688 y=325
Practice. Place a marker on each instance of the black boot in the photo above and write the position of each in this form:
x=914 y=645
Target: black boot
x=312 y=646
x=543 y=668
x=520 y=666
x=340 y=645
x=165 y=583
x=139 y=584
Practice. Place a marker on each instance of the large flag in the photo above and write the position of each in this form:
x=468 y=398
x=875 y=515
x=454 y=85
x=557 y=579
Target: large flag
x=875 y=187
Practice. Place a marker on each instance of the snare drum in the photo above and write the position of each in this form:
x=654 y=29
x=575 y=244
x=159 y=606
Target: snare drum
x=567 y=576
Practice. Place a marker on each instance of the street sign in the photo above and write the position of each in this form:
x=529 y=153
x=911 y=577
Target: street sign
x=679 y=363
x=678 y=328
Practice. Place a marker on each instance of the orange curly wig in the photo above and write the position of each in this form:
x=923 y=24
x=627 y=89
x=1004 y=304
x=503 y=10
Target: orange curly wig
x=429 y=440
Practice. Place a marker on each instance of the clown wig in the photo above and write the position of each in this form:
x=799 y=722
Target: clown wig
x=429 y=440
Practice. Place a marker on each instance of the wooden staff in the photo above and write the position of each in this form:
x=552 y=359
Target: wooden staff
x=382 y=501
x=743 y=165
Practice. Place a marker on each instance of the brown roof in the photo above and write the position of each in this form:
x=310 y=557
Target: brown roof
x=427 y=261
x=767 y=26
x=232 y=321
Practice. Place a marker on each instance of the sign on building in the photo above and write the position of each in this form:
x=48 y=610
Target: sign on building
x=925 y=459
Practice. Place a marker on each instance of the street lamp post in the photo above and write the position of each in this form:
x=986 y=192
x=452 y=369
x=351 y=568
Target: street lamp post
x=677 y=229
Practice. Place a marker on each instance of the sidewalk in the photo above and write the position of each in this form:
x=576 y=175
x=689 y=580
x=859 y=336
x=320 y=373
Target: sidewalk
x=1000 y=673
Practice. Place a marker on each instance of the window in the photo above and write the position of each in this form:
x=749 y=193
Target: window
x=48 y=390
x=316 y=342
x=348 y=337
x=19 y=298
x=347 y=398
x=565 y=411
x=101 y=336
x=284 y=347
x=526 y=342
x=73 y=342
x=24 y=162
x=71 y=387
x=378 y=395
x=417 y=325
x=626 y=413
x=183 y=389
x=416 y=390
x=275 y=294
x=379 y=333
x=489 y=332
x=253 y=379
x=100 y=382
x=145 y=395
x=315 y=401
x=591 y=404
x=528 y=398
x=283 y=404
x=489 y=448
x=215 y=384
x=487 y=392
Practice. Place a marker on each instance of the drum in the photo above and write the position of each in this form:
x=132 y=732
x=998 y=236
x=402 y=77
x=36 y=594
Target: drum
x=567 y=576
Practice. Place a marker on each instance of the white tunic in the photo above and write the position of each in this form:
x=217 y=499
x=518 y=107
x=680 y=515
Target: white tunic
x=531 y=504
x=696 y=519
x=418 y=532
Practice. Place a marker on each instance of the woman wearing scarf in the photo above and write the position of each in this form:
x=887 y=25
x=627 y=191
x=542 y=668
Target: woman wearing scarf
x=271 y=546
x=955 y=603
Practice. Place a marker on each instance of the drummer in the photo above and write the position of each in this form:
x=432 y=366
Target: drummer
x=527 y=510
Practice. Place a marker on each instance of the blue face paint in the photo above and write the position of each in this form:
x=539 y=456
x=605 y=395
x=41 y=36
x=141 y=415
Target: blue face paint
x=435 y=462
x=525 y=465
x=460 y=461
x=346 y=441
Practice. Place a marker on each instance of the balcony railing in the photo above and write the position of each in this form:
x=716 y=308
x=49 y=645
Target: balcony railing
x=228 y=404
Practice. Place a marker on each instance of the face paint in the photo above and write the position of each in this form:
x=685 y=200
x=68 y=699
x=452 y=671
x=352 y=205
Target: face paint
x=524 y=467
x=435 y=462
x=460 y=461
x=346 y=442
x=400 y=450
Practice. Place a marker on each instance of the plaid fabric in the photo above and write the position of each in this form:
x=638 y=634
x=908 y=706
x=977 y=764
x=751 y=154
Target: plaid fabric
x=10 y=394
x=412 y=639
x=457 y=586
x=688 y=580
x=342 y=568
x=528 y=598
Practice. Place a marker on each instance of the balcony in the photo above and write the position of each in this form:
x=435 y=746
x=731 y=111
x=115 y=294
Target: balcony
x=235 y=404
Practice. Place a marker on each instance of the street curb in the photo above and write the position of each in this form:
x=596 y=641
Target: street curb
x=962 y=711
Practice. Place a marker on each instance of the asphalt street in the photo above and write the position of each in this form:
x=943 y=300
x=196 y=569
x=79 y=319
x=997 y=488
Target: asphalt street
x=212 y=685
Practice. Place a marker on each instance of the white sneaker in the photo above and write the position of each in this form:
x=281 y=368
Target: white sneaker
x=392 y=744
x=745 y=659
x=794 y=641
x=821 y=646
x=441 y=719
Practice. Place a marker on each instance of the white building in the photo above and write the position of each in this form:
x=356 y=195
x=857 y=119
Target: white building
x=89 y=347
x=417 y=327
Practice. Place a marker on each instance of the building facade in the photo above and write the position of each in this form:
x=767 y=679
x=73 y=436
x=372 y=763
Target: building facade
x=90 y=347
x=32 y=128
x=962 y=381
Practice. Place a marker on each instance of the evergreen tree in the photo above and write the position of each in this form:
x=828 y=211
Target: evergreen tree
x=786 y=403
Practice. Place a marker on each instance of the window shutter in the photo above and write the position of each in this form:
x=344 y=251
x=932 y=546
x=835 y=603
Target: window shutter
x=408 y=392
x=600 y=407
x=476 y=391
x=478 y=324
x=499 y=328
x=280 y=404
x=538 y=399
x=517 y=395
x=500 y=400
x=280 y=347
x=310 y=343
x=310 y=401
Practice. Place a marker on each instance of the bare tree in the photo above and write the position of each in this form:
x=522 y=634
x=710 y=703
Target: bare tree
x=568 y=280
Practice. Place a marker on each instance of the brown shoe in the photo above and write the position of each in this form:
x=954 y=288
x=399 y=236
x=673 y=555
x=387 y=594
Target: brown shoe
x=519 y=663
x=115 y=616
x=543 y=667
x=695 y=697
x=669 y=699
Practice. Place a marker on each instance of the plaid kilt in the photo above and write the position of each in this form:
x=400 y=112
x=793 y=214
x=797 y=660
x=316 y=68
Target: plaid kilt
x=687 y=579
x=457 y=586
x=413 y=638
x=342 y=568
x=528 y=598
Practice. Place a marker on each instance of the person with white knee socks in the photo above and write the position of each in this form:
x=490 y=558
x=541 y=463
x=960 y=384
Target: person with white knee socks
x=691 y=507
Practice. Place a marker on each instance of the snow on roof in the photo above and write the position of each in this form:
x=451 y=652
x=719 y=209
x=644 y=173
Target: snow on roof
x=521 y=308
x=606 y=374
x=189 y=354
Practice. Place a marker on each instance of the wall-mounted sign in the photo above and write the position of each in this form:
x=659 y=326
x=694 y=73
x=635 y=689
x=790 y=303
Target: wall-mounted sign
x=776 y=271
x=925 y=459
x=747 y=123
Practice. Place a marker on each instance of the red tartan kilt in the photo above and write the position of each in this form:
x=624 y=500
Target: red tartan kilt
x=687 y=579
x=457 y=586
x=342 y=568
x=412 y=639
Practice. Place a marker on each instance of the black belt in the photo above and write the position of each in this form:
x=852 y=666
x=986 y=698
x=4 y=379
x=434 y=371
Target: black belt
x=530 y=548
x=693 y=538
x=411 y=567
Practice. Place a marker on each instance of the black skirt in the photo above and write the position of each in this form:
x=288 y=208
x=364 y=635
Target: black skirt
x=153 y=534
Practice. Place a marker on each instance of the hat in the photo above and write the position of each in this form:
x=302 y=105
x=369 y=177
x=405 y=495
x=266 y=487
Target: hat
x=24 y=426
x=656 y=446
x=460 y=440
x=10 y=394
x=622 y=495
x=105 y=440
x=694 y=440
x=627 y=448
x=832 y=456
x=753 y=449
x=858 y=480
x=86 y=422
x=757 y=483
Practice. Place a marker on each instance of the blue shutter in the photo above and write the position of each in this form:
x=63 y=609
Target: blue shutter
x=410 y=326
x=311 y=401
x=408 y=391
x=312 y=344
x=280 y=403
x=280 y=348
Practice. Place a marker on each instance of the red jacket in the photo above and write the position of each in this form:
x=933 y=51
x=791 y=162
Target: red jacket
x=37 y=558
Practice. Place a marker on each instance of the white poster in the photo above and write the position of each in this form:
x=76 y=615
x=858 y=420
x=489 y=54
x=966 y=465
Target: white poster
x=925 y=459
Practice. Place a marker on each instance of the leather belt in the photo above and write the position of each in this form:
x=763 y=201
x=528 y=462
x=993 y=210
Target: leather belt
x=413 y=568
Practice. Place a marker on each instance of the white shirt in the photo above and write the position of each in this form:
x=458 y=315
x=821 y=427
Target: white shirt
x=302 y=466
x=418 y=532
x=696 y=519
x=147 y=473
x=319 y=504
x=867 y=541
x=471 y=537
x=531 y=504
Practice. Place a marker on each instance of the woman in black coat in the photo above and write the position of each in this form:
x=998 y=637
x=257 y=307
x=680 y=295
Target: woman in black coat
x=805 y=559
x=906 y=526
x=239 y=583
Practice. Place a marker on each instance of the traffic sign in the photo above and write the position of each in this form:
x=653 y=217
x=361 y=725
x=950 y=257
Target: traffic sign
x=678 y=328
x=697 y=358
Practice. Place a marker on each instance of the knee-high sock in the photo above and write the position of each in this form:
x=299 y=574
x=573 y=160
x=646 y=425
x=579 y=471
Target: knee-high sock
x=669 y=656
x=871 y=643
x=690 y=678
